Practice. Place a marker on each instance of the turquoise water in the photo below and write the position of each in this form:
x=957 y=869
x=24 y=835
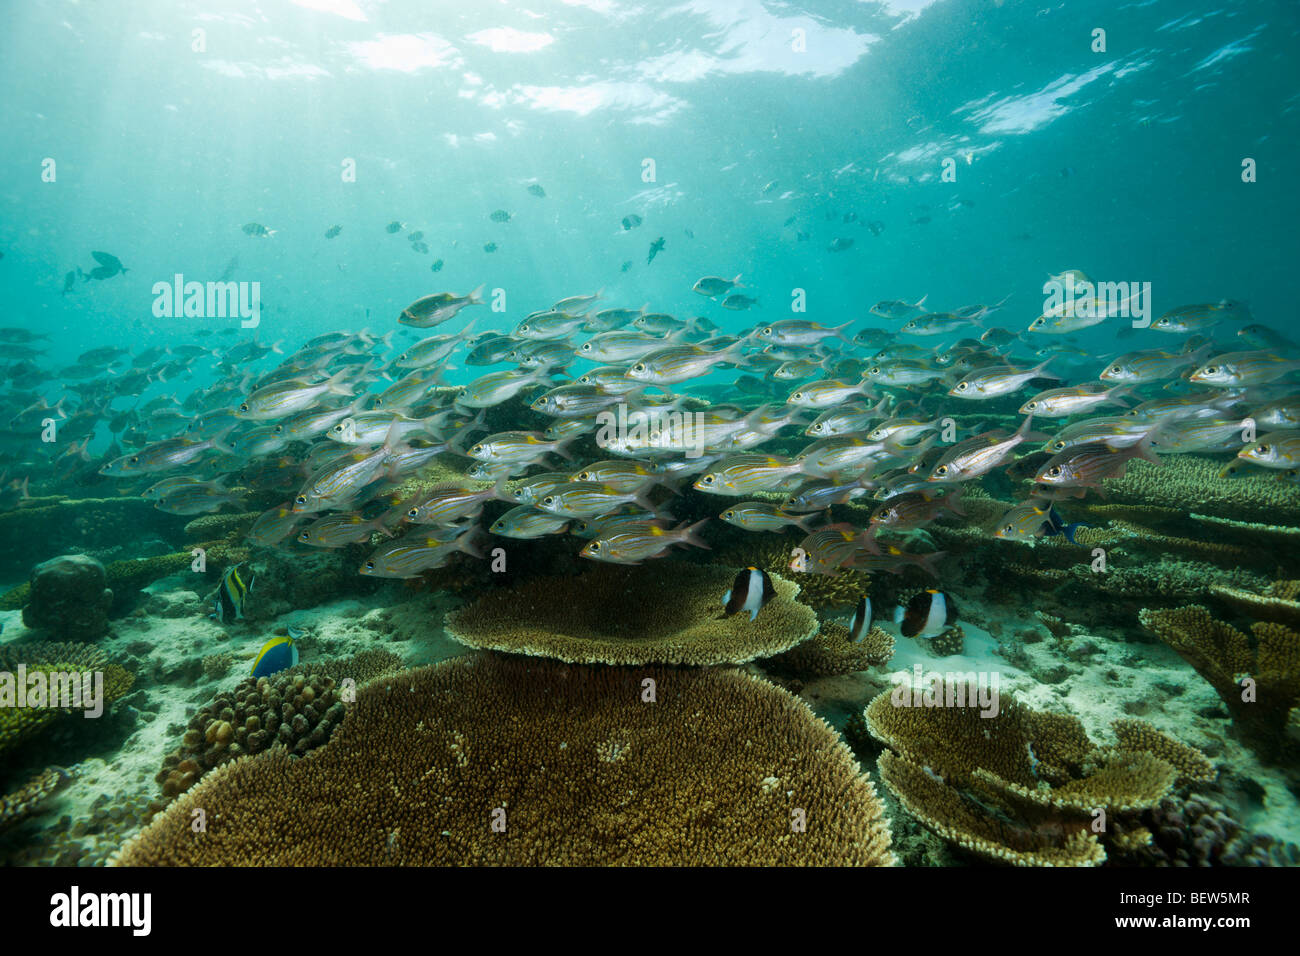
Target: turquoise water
x=969 y=151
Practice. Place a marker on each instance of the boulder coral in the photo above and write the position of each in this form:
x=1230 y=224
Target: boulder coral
x=69 y=598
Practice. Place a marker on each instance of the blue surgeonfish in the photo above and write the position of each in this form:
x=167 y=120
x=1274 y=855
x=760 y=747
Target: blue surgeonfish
x=751 y=590
x=275 y=655
x=231 y=593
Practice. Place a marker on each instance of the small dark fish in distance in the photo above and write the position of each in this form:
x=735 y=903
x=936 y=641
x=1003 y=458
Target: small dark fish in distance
x=631 y=222
x=536 y=190
x=499 y=215
x=656 y=247
x=257 y=230
x=333 y=231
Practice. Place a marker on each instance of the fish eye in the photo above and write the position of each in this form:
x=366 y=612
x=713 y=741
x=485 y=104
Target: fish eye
x=766 y=331
x=523 y=328
x=874 y=370
x=549 y=500
x=243 y=407
x=1211 y=370
x=1007 y=529
x=1031 y=405
x=301 y=499
x=961 y=386
x=1262 y=450
x=586 y=346
x=594 y=546
x=135 y=459
x=639 y=367
x=370 y=565
x=413 y=513
x=797 y=395
x=707 y=479
x=1054 y=471
x=729 y=514
x=402 y=357
x=584 y=476
x=1115 y=370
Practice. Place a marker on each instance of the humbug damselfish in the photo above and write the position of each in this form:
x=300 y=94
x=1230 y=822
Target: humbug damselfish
x=752 y=589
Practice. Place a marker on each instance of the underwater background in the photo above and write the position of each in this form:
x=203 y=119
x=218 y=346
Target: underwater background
x=585 y=166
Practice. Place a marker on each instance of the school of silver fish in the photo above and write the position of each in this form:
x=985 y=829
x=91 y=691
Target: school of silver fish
x=781 y=423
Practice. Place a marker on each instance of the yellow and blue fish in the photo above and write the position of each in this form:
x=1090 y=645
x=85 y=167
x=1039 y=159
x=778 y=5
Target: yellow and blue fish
x=231 y=593
x=276 y=654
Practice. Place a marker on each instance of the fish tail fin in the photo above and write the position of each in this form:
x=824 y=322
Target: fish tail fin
x=1069 y=530
x=1113 y=395
x=562 y=448
x=476 y=297
x=1038 y=369
x=1025 y=433
x=736 y=281
x=920 y=303
x=953 y=502
x=804 y=522
x=930 y=561
x=1143 y=449
x=690 y=535
x=219 y=443
x=472 y=542
x=336 y=386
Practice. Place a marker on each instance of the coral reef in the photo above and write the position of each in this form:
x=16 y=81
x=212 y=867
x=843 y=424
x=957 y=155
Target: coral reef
x=830 y=652
x=1224 y=656
x=26 y=800
x=1020 y=786
x=1276 y=603
x=68 y=598
x=821 y=592
x=488 y=759
x=97 y=526
x=667 y=612
x=19 y=724
x=1195 y=484
x=1201 y=831
x=297 y=709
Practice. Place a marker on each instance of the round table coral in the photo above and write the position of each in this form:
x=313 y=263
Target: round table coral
x=667 y=612
x=489 y=759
